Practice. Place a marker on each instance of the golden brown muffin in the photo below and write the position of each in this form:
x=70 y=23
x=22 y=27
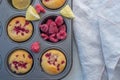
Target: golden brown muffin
x=21 y=4
x=53 y=61
x=20 y=62
x=19 y=29
x=53 y=4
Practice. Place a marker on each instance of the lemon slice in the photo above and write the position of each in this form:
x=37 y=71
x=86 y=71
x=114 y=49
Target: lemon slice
x=31 y=14
x=67 y=12
x=21 y=4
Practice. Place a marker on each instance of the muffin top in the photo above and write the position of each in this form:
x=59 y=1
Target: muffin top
x=53 y=4
x=20 y=61
x=19 y=29
x=21 y=4
x=53 y=61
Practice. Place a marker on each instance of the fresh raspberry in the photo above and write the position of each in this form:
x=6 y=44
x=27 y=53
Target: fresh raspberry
x=59 y=20
x=61 y=35
x=53 y=28
x=39 y=8
x=35 y=47
x=44 y=28
x=53 y=38
x=62 y=28
x=49 y=22
x=44 y=36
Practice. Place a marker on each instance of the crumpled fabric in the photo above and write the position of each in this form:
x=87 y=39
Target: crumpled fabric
x=97 y=33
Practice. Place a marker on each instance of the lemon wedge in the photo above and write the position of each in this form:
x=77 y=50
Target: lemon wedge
x=31 y=14
x=67 y=12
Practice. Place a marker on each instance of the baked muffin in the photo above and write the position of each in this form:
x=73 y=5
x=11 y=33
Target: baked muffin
x=53 y=4
x=21 y=4
x=53 y=62
x=19 y=29
x=20 y=62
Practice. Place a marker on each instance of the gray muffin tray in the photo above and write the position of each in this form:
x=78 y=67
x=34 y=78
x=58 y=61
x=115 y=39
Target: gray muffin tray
x=7 y=12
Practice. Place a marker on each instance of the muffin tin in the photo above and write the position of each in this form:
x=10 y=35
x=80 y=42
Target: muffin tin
x=7 y=45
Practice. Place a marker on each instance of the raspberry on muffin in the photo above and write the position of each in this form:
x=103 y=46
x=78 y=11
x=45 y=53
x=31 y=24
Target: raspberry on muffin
x=53 y=61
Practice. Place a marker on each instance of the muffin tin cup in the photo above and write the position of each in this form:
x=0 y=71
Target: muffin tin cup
x=67 y=67
x=7 y=66
x=7 y=45
x=15 y=16
x=44 y=20
x=10 y=4
x=56 y=8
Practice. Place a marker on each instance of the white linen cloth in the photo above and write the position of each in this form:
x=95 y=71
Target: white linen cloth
x=97 y=33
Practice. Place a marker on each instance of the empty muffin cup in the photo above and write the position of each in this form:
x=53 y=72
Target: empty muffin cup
x=53 y=61
x=53 y=29
x=19 y=29
x=20 y=61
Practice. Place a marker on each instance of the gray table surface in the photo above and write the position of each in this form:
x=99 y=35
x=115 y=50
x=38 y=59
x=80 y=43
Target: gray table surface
x=75 y=73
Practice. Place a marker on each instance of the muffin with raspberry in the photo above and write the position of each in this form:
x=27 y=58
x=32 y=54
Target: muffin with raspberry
x=20 y=62
x=53 y=4
x=53 y=61
x=19 y=29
